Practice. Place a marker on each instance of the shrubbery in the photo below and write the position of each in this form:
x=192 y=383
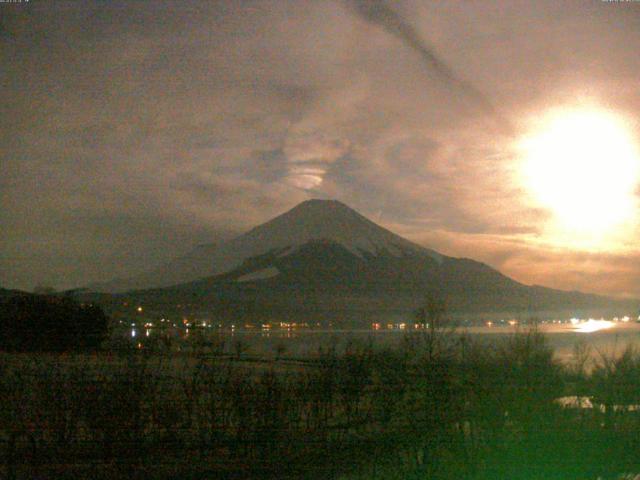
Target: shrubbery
x=466 y=410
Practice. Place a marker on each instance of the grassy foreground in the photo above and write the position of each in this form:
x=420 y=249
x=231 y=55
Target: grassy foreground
x=439 y=406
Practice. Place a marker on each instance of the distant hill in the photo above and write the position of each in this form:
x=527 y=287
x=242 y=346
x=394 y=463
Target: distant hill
x=324 y=259
x=5 y=293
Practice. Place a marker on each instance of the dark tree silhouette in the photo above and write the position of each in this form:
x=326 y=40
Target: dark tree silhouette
x=50 y=323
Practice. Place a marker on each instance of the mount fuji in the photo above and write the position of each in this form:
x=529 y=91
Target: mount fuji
x=313 y=220
x=322 y=257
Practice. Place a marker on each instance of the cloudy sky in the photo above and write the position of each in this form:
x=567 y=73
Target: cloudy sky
x=131 y=132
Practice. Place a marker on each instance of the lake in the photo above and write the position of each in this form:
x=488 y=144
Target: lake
x=603 y=337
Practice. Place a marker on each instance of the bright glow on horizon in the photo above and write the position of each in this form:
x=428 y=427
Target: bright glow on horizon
x=583 y=165
x=592 y=325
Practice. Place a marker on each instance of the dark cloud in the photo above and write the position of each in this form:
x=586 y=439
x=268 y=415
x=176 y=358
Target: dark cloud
x=381 y=13
x=266 y=165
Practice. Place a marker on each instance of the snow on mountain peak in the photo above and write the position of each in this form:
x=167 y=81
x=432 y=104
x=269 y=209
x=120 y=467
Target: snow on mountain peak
x=330 y=220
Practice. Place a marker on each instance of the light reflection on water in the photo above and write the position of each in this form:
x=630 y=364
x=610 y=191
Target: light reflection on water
x=592 y=325
x=604 y=337
x=587 y=403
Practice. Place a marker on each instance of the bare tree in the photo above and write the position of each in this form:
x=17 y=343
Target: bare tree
x=437 y=327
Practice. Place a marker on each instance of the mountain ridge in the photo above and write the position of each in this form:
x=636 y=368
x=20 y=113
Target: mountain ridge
x=322 y=258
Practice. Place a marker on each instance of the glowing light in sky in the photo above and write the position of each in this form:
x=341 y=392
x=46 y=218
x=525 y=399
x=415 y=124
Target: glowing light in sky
x=305 y=177
x=583 y=165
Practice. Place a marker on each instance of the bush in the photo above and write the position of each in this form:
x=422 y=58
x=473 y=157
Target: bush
x=30 y=323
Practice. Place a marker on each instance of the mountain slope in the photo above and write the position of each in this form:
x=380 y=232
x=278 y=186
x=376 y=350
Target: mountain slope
x=324 y=259
x=323 y=279
x=310 y=220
